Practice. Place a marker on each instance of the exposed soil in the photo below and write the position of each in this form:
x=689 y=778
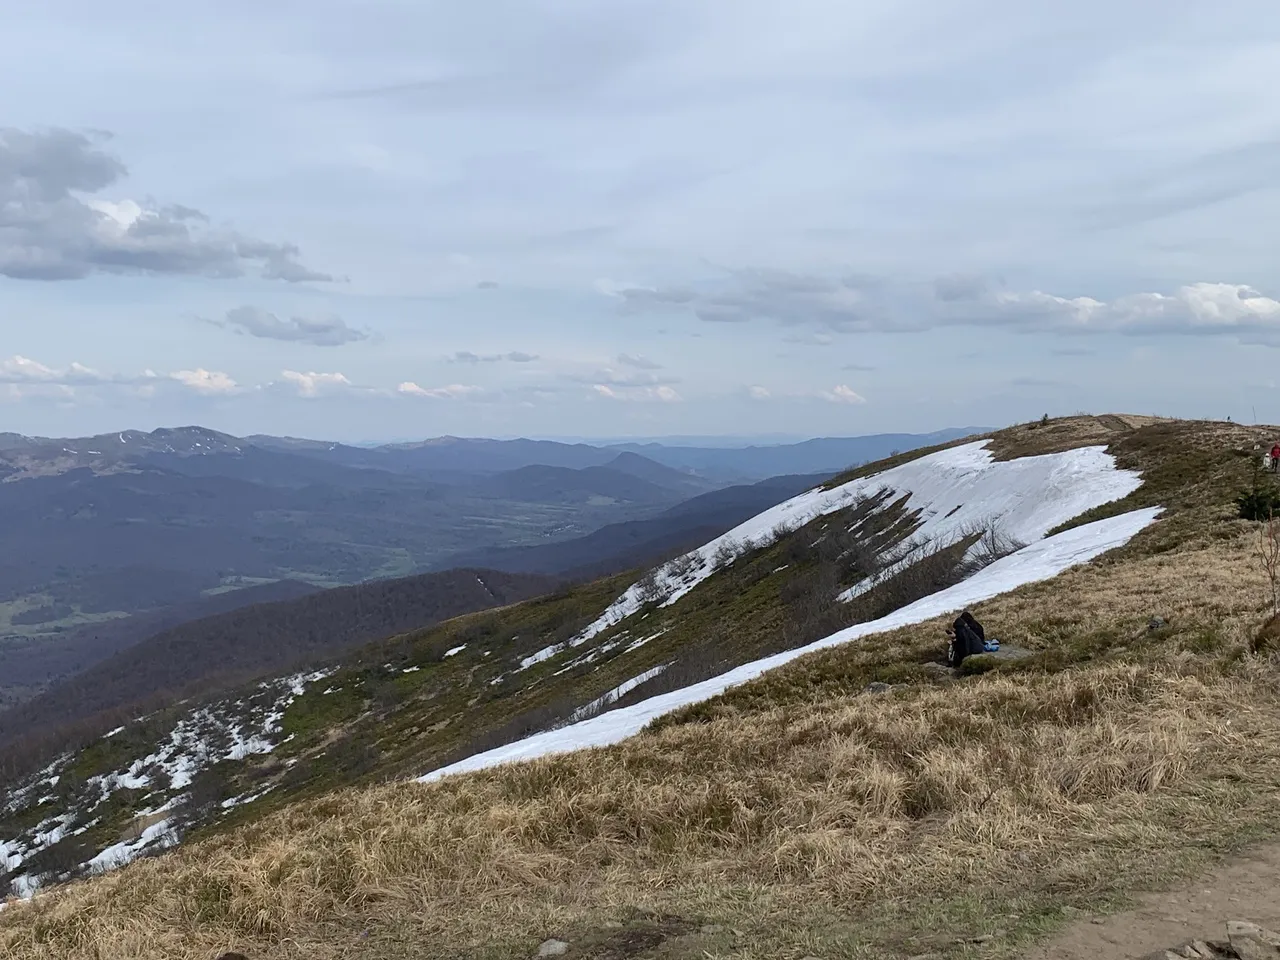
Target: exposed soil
x=1241 y=889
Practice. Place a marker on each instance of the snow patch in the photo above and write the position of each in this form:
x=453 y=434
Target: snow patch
x=160 y=836
x=617 y=693
x=1030 y=496
x=454 y=652
x=643 y=640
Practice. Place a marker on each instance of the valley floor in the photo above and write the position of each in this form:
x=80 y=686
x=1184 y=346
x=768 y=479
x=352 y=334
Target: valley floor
x=801 y=815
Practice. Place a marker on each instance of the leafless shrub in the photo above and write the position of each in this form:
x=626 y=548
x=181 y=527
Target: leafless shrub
x=1269 y=557
x=990 y=541
x=684 y=565
x=649 y=588
x=725 y=554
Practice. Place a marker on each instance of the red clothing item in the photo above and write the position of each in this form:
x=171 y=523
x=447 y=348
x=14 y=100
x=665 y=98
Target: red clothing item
x=1275 y=452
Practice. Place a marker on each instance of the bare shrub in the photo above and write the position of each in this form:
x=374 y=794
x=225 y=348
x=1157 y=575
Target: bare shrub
x=648 y=587
x=1269 y=557
x=684 y=565
x=725 y=554
x=990 y=542
x=208 y=790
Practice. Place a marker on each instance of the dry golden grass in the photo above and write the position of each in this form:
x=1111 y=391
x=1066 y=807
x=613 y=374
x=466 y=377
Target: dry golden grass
x=809 y=816
x=777 y=817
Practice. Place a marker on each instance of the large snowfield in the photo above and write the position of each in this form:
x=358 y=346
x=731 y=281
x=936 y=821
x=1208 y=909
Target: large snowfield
x=954 y=490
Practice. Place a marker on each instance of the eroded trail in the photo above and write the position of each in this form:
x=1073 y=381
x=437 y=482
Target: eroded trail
x=1245 y=888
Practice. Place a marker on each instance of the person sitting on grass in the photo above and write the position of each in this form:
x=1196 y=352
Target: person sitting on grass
x=965 y=638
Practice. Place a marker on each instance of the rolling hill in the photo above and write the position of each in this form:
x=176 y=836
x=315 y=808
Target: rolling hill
x=783 y=765
x=99 y=529
x=215 y=653
x=30 y=665
x=633 y=543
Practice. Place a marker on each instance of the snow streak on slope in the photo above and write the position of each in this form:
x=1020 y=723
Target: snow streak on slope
x=228 y=731
x=1039 y=561
x=954 y=489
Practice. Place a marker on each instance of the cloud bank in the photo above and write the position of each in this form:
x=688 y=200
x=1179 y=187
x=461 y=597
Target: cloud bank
x=857 y=304
x=55 y=225
x=323 y=332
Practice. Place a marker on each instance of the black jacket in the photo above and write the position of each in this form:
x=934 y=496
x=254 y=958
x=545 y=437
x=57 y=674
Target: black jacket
x=969 y=640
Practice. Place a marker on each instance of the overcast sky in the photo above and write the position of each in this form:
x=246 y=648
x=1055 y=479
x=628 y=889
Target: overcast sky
x=406 y=218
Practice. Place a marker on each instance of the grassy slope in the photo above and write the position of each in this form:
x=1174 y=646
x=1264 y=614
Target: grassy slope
x=796 y=814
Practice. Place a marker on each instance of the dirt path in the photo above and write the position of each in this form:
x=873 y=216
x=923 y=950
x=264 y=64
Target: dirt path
x=1246 y=888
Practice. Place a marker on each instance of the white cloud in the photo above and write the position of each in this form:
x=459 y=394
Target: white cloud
x=514 y=356
x=316 y=331
x=208 y=382
x=639 y=362
x=454 y=391
x=662 y=394
x=844 y=394
x=759 y=393
x=312 y=384
x=57 y=233
x=20 y=369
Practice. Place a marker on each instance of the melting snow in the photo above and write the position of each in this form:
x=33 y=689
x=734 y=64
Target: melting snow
x=455 y=651
x=1030 y=496
x=1039 y=561
x=643 y=640
x=617 y=693
x=228 y=731
x=546 y=653
x=161 y=835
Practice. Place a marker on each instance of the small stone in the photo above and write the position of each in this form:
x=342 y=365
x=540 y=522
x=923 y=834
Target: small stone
x=613 y=924
x=1157 y=623
x=878 y=687
x=712 y=928
x=1252 y=942
x=553 y=948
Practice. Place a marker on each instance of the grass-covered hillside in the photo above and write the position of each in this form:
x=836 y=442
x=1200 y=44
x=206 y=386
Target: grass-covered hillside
x=856 y=802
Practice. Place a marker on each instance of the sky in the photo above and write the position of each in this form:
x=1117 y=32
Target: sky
x=403 y=218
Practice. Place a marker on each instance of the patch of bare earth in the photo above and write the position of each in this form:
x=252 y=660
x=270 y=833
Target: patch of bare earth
x=1245 y=888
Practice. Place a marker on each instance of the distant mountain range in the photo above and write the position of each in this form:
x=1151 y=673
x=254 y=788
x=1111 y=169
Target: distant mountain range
x=111 y=538
x=716 y=463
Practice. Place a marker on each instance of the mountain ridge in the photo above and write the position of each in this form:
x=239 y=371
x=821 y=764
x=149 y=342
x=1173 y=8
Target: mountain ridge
x=536 y=665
